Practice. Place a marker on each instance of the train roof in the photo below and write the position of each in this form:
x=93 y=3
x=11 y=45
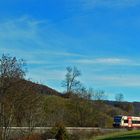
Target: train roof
x=124 y=116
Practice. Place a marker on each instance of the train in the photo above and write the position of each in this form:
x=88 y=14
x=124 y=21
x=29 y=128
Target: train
x=131 y=122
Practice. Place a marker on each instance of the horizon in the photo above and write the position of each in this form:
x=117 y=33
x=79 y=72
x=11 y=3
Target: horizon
x=99 y=37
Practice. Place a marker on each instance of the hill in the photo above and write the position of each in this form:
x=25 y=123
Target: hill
x=133 y=108
x=40 y=89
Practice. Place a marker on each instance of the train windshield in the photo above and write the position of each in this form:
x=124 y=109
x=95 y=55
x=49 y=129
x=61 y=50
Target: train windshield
x=117 y=119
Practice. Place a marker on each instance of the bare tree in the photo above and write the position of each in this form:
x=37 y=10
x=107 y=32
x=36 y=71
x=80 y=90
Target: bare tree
x=99 y=95
x=71 y=83
x=119 y=97
x=11 y=71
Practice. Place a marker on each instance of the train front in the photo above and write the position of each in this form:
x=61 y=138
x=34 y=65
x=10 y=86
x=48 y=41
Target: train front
x=117 y=121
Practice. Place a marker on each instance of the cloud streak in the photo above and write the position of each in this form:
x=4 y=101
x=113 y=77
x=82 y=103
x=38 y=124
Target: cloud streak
x=27 y=38
x=108 y=61
x=117 y=81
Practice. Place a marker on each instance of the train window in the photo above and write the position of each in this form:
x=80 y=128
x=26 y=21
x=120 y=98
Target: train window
x=125 y=121
x=135 y=122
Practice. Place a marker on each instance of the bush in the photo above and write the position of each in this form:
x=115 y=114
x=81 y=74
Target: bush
x=60 y=132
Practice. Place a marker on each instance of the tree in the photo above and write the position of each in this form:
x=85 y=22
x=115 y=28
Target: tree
x=32 y=110
x=128 y=107
x=80 y=109
x=99 y=95
x=71 y=83
x=54 y=108
x=119 y=97
x=11 y=72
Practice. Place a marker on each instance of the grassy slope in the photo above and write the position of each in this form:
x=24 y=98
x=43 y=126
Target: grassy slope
x=129 y=135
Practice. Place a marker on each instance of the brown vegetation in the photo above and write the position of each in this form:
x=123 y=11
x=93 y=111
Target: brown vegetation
x=24 y=103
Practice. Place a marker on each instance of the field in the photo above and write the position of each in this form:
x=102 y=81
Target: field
x=129 y=135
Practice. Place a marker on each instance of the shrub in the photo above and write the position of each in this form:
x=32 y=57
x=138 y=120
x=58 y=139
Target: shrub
x=60 y=132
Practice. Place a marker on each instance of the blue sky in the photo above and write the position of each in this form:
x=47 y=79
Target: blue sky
x=99 y=37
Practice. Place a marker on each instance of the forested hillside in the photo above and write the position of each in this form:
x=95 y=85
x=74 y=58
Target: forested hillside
x=24 y=103
x=40 y=89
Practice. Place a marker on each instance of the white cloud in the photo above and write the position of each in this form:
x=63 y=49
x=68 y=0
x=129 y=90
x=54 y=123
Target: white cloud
x=109 y=61
x=57 y=53
x=115 y=80
x=24 y=37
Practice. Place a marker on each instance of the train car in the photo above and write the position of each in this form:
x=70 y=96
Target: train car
x=126 y=122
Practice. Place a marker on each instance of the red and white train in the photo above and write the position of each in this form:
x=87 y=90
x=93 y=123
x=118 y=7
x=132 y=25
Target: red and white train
x=126 y=122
